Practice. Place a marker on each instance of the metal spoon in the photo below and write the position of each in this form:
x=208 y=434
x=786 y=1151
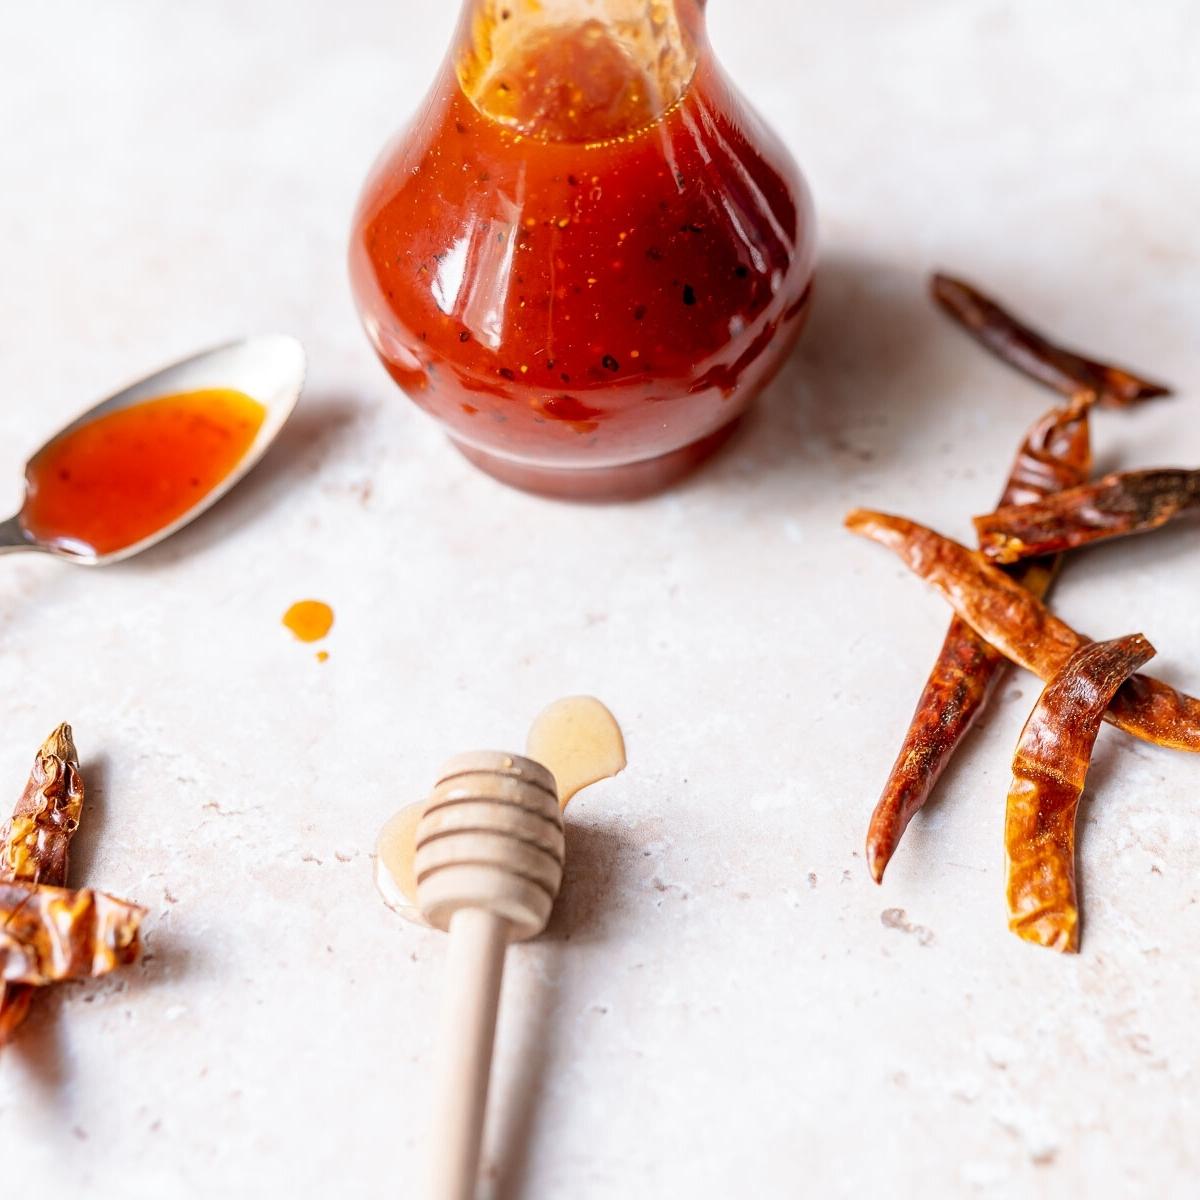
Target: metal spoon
x=269 y=369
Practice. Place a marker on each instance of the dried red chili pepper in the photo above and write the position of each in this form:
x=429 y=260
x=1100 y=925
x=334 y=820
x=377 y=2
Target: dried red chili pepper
x=47 y=932
x=1116 y=506
x=1019 y=625
x=33 y=848
x=1049 y=771
x=1056 y=454
x=1014 y=342
x=50 y=934
x=34 y=845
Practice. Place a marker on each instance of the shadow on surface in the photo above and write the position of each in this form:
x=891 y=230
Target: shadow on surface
x=863 y=365
x=81 y=868
x=318 y=428
x=39 y=1047
x=595 y=858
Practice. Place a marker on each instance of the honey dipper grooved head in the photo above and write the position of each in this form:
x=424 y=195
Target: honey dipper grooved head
x=491 y=837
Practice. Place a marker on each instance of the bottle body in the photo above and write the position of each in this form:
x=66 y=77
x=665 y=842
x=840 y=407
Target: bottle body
x=584 y=314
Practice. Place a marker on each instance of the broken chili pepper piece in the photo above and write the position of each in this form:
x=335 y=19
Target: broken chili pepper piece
x=1049 y=771
x=1056 y=454
x=1019 y=625
x=46 y=932
x=1116 y=506
x=1022 y=347
x=51 y=934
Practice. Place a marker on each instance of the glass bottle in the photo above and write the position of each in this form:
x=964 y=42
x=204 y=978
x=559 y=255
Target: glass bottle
x=586 y=254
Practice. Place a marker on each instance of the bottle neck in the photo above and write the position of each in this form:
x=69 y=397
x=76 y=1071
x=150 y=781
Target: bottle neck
x=578 y=70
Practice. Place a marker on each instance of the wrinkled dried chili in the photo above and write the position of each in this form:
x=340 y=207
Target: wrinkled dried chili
x=1049 y=771
x=1022 y=347
x=1116 y=506
x=49 y=933
x=35 y=842
x=1019 y=625
x=1056 y=454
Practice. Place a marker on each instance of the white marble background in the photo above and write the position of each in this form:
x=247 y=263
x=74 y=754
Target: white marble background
x=720 y=1009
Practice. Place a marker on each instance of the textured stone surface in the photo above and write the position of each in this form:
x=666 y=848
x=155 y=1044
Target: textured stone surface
x=725 y=1005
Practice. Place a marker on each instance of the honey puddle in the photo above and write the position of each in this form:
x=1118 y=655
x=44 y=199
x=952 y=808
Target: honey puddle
x=577 y=739
x=395 y=874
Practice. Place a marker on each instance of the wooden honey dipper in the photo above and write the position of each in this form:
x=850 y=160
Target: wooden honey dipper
x=489 y=863
x=482 y=859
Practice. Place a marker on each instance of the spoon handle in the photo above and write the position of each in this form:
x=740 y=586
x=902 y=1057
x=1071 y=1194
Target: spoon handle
x=13 y=536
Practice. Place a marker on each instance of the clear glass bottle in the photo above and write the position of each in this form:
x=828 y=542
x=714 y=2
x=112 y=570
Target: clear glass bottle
x=586 y=254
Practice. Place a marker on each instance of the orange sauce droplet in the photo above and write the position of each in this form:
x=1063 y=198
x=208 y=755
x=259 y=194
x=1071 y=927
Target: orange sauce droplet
x=126 y=475
x=309 y=620
x=322 y=656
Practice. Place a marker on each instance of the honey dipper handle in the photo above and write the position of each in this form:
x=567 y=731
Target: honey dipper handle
x=474 y=967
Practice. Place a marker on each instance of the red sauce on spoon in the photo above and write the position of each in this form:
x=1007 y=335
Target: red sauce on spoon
x=129 y=473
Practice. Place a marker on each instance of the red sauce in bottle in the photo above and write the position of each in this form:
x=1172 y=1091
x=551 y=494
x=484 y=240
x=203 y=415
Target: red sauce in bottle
x=583 y=290
x=129 y=473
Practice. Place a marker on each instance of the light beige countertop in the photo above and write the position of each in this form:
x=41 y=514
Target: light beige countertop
x=725 y=1005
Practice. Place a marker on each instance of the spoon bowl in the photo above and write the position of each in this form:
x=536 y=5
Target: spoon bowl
x=269 y=369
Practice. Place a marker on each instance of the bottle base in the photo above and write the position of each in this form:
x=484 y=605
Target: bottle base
x=629 y=481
